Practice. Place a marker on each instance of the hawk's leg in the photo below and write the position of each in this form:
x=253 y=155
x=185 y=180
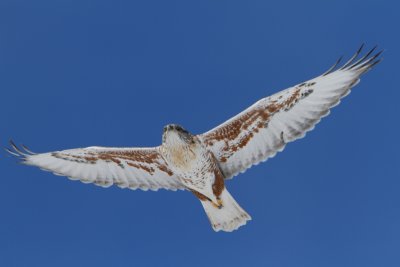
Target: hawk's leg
x=219 y=201
x=218 y=186
x=202 y=197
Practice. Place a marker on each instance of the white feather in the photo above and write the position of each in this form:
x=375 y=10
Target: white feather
x=88 y=166
x=301 y=107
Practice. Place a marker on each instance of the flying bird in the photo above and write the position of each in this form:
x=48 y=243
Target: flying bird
x=202 y=163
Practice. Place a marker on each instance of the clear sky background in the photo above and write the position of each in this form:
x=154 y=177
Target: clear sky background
x=77 y=73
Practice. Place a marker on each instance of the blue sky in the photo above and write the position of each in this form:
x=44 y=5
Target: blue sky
x=113 y=73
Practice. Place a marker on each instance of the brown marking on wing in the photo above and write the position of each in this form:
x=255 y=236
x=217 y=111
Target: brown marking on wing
x=72 y=158
x=250 y=123
x=243 y=124
x=91 y=159
x=164 y=168
x=272 y=108
x=143 y=167
x=233 y=129
x=148 y=157
x=289 y=103
x=108 y=157
x=132 y=158
x=223 y=159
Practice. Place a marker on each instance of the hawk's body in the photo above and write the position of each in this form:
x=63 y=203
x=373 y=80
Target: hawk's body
x=202 y=163
x=195 y=165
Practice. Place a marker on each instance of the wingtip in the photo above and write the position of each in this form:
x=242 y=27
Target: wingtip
x=11 y=142
x=9 y=151
x=368 y=62
x=26 y=149
x=331 y=69
x=357 y=63
x=16 y=151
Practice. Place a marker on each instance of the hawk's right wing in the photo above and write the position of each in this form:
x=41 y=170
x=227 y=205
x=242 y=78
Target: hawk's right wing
x=133 y=168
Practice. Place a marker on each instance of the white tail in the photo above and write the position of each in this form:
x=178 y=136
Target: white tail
x=227 y=218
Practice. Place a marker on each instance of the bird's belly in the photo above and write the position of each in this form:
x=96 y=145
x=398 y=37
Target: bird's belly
x=193 y=166
x=192 y=169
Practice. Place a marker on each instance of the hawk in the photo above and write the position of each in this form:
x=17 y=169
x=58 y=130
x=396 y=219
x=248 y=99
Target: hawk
x=202 y=163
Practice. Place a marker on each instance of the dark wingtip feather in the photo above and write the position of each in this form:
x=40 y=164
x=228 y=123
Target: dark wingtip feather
x=362 y=64
x=369 y=61
x=331 y=69
x=351 y=60
x=375 y=62
x=15 y=147
x=15 y=151
x=26 y=149
x=8 y=150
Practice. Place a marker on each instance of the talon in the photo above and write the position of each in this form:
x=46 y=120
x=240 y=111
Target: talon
x=219 y=201
x=215 y=205
x=219 y=205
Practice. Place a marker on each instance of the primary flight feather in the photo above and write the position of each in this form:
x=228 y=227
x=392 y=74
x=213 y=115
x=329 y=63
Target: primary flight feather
x=201 y=163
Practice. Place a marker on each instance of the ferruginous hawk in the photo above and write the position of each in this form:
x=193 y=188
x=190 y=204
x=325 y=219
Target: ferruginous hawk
x=202 y=163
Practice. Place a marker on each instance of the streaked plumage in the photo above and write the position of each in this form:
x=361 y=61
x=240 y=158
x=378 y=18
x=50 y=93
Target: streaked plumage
x=201 y=163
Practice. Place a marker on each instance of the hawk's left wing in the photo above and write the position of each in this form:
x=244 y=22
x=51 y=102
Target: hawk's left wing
x=134 y=168
x=263 y=129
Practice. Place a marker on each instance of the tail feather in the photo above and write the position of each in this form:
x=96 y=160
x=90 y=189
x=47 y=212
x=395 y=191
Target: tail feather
x=227 y=218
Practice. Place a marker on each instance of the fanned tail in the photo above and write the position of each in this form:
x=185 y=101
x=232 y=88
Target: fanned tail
x=227 y=218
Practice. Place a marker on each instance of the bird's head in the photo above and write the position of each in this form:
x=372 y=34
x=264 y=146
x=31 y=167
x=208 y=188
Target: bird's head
x=176 y=134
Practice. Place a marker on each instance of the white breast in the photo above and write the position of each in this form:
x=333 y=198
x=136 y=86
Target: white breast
x=192 y=164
